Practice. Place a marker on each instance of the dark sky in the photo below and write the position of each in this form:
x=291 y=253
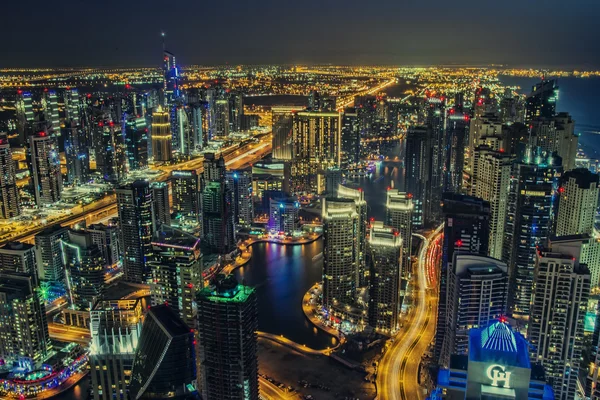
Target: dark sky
x=416 y=32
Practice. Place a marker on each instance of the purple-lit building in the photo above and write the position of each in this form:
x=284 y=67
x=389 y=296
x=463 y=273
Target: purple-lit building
x=283 y=215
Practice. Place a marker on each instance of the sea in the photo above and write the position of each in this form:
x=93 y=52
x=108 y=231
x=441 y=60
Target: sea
x=580 y=97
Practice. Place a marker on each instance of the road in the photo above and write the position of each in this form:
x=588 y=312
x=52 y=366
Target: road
x=397 y=376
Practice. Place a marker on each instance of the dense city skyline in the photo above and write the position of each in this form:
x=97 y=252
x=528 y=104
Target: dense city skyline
x=384 y=32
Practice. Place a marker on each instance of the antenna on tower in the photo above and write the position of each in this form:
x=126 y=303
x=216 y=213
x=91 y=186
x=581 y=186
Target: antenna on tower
x=163 y=34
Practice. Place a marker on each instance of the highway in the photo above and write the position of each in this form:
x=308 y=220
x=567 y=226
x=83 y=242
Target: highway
x=397 y=376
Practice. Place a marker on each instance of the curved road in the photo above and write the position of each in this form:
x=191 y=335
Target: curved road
x=397 y=377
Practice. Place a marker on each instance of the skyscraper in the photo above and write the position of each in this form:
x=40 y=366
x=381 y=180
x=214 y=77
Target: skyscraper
x=228 y=321
x=164 y=365
x=399 y=215
x=217 y=217
x=23 y=323
x=136 y=221
x=162 y=146
x=491 y=182
x=529 y=222
x=136 y=143
x=358 y=196
x=283 y=215
x=115 y=327
x=25 y=115
x=10 y=204
x=561 y=291
x=106 y=237
x=477 y=292
x=384 y=259
x=19 y=257
x=283 y=131
x=466 y=231
x=340 y=253
x=436 y=125
x=417 y=166
x=77 y=154
x=45 y=168
x=176 y=268
x=84 y=268
x=542 y=100
x=49 y=253
x=316 y=148
x=51 y=115
x=162 y=203
x=239 y=183
x=457 y=135
x=187 y=195
x=221 y=117
x=350 y=137
x=577 y=202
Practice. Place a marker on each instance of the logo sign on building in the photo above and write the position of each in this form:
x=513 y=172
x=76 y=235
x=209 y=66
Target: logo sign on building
x=498 y=374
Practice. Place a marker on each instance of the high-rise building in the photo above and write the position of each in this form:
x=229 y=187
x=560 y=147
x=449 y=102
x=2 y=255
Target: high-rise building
x=77 y=154
x=436 y=125
x=358 y=195
x=529 y=222
x=481 y=125
x=384 y=256
x=72 y=107
x=491 y=182
x=110 y=151
x=577 y=202
x=333 y=178
x=49 y=253
x=228 y=321
x=316 y=148
x=497 y=367
x=171 y=90
x=136 y=223
x=45 y=168
x=236 y=111
x=186 y=195
x=399 y=215
x=51 y=115
x=477 y=292
x=19 y=257
x=560 y=295
x=136 y=143
x=10 y=204
x=350 y=137
x=417 y=165
x=197 y=119
x=84 y=268
x=283 y=215
x=23 y=323
x=25 y=115
x=239 y=183
x=340 y=252
x=214 y=168
x=162 y=145
x=466 y=231
x=217 y=217
x=283 y=132
x=106 y=237
x=164 y=365
x=176 y=268
x=183 y=136
x=162 y=203
x=542 y=100
x=115 y=327
x=221 y=117
x=457 y=135
x=567 y=140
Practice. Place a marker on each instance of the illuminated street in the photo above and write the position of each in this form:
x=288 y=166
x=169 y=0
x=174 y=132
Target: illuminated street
x=397 y=373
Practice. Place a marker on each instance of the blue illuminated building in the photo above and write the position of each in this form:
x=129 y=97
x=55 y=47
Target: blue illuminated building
x=283 y=215
x=496 y=367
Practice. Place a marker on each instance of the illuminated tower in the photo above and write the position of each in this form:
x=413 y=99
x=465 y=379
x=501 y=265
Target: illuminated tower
x=221 y=117
x=25 y=115
x=161 y=136
x=491 y=182
x=556 y=322
x=358 y=195
x=436 y=125
x=384 y=256
x=115 y=327
x=283 y=215
x=228 y=321
x=50 y=105
x=542 y=100
x=399 y=215
x=136 y=221
x=19 y=257
x=162 y=203
x=72 y=107
x=77 y=154
x=176 y=267
x=85 y=269
x=577 y=202
x=340 y=253
x=136 y=143
x=239 y=183
x=186 y=195
x=350 y=137
x=10 y=204
x=283 y=128
x=49 y=253
x=417 y=165
x=45 y=166
x=316 y=148
x=23 y=321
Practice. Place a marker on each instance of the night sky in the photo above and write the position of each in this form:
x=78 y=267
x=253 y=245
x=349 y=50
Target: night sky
x=417 y=32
